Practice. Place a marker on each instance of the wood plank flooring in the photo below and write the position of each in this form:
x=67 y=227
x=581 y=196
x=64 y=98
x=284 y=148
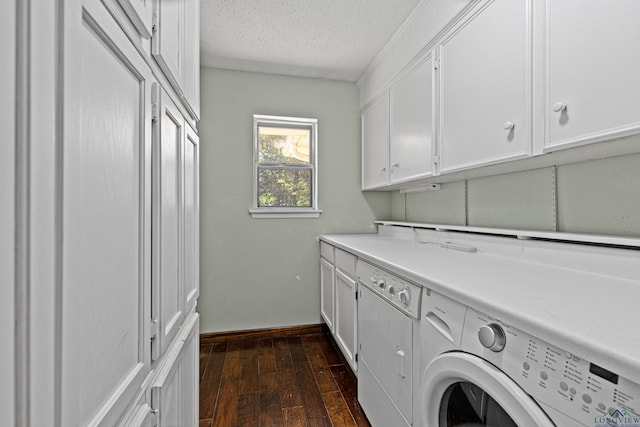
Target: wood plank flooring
x=288 y=381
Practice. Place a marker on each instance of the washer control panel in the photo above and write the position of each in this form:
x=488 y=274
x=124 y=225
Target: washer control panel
x=401 y=293
x=572 y=385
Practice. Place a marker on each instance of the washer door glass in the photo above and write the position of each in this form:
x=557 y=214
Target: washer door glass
x=461 y=389
x=464 y=404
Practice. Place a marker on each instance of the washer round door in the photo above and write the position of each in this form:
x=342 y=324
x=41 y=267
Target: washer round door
x=463 y=390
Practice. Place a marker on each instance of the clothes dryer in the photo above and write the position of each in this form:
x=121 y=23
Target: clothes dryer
x=480 y=371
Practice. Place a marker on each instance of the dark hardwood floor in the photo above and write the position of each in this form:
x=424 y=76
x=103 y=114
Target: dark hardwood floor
x=288 y=381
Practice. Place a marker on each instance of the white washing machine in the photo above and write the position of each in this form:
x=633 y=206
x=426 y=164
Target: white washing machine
x=479 y=371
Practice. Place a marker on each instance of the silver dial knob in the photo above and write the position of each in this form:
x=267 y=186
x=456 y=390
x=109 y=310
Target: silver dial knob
x=492 y=337
x=381 y=284
x=405 y=297
x=391 y=289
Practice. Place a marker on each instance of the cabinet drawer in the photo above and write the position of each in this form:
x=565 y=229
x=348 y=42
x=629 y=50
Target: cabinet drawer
x=346 y=262
x=326 y=252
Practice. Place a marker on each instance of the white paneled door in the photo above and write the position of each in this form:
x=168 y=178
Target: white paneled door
x=192 y=57
x=327 y=292
x=191 y=217
x=140 y=12
x=593 y=64
x=100 y=221
x=375 y=144
x=167 y=44
x=346 y=323
x=411 y=127
x=106 y=221
x=485 y=86
x=7 y=211
x=174 y=393
x=168 y=284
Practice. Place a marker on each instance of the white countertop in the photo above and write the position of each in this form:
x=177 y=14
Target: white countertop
x=584 y=299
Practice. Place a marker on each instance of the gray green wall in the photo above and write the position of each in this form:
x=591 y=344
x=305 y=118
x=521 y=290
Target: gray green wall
x=596 y=197
x=262 y=273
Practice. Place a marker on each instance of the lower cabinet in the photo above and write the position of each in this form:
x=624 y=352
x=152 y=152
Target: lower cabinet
x=338 y=299
x=327 y=291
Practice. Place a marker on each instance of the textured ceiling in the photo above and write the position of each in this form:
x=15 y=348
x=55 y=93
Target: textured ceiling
x=333 y=39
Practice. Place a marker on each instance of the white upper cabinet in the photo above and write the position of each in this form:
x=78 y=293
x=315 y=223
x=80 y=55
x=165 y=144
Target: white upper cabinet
x=484 y=82
x=175 y=46
x=422 y=26
x=593 y=63
x=140 y=12
x=167 y=45
x=192 y=58
x=411 y=124
x=375 y=144
x=513 y=80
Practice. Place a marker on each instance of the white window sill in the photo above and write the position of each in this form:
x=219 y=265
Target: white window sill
x=284 y=213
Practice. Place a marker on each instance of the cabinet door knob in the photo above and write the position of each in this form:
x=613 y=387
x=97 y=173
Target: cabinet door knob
x=509 y=125
x=383 y=169
x=395 y=165
x=559 y=107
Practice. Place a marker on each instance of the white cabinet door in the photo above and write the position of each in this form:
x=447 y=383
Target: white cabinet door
x=485 y=81
x=167 y=42
x=7 y=212
x=327 y=287
x=191 y=218
x=168 y=285
x=192 y=57
x=174 y=394
x=105 y=220
x=143 y=417
x=140 y=12
x=375 y=144
x=346 y=317
x=593 y=64
x=175 y=44
x=140 y=415
x=189 y=380
x=411 y=125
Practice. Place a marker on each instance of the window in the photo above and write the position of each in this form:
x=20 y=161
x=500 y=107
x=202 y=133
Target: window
x=285 y=167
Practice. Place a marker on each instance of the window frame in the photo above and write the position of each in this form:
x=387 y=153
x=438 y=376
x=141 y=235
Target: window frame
x=285 y=211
